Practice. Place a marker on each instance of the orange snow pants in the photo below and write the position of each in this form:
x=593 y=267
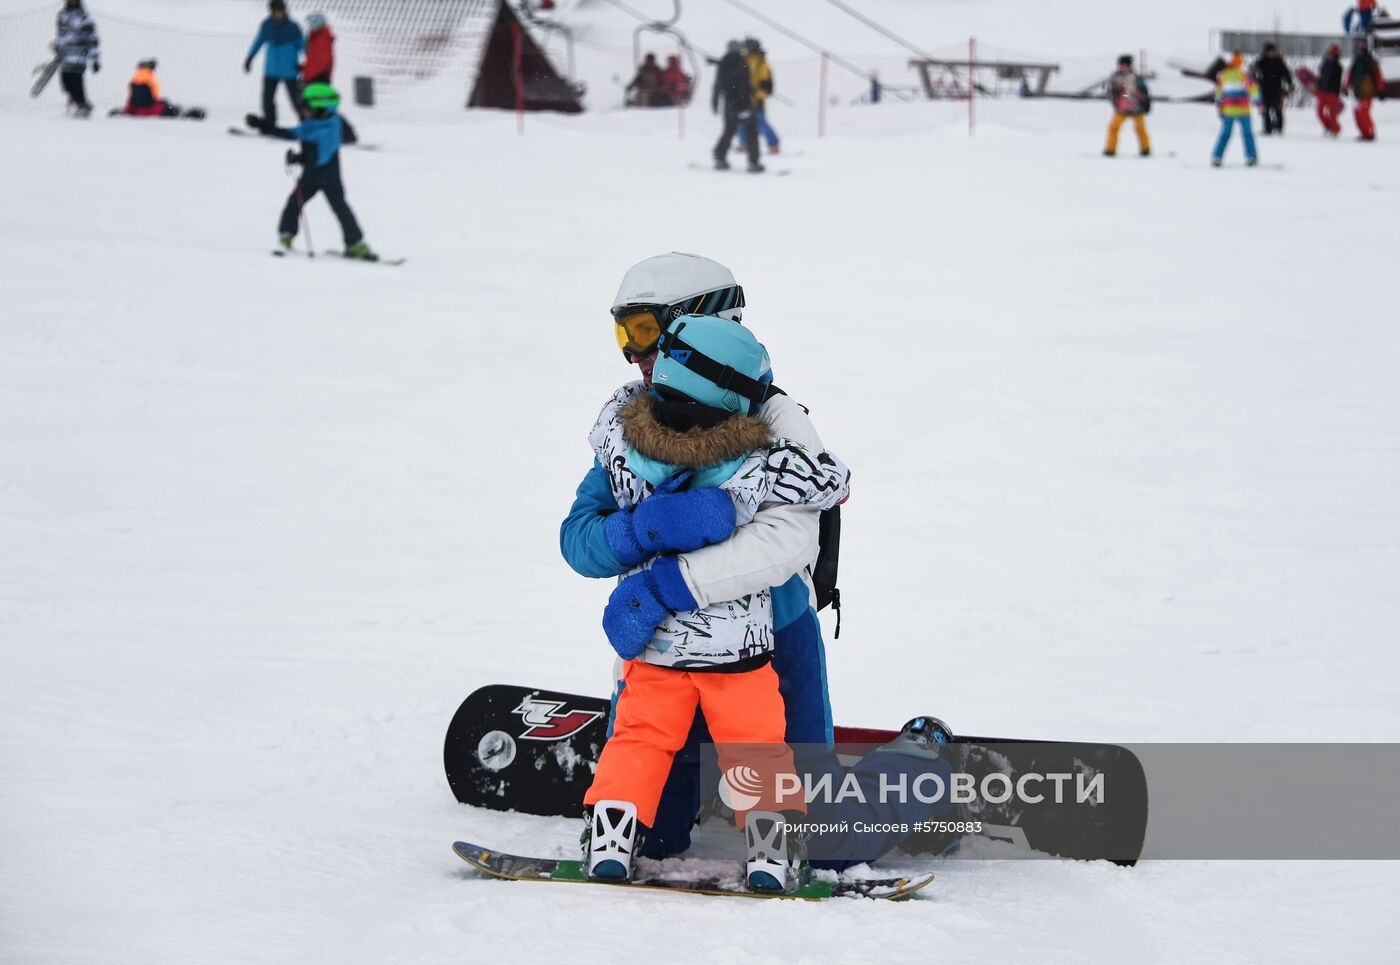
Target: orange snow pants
x=744 y=712
x=1139 y=125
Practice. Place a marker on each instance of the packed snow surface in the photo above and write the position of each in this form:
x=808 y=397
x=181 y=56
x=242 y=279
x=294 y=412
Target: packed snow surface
x=1125 y=438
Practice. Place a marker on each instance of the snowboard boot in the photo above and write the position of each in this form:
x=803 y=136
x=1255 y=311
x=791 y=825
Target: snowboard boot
x=721 y=164
x=361 y=251
x=1145 y=152
x=284 y=242
x=1108 y=153
x=1215 y=162
x=777 y=861
x=924 y=734
x=756 y=168
x=610 y=840
x=1251 y=162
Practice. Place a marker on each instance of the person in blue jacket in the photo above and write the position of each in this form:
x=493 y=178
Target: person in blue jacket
x=284 y=42
x=320 y=137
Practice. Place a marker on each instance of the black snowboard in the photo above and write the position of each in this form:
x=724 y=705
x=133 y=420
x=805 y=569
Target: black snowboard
x=533 y=751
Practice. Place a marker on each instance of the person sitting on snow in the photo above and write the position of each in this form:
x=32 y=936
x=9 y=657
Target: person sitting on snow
x=143 y=96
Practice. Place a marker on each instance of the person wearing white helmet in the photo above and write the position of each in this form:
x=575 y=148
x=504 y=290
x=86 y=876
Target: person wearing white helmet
x=777 y=550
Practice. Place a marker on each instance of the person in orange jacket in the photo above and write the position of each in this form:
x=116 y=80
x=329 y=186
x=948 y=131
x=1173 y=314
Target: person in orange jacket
x=319 y=64
x=144 y=100
x=1365 y=81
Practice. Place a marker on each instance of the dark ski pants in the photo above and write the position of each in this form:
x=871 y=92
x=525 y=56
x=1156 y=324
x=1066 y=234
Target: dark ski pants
x=733 y=119
x=269 y=97
x=324 y=178
x=1273 y=115
x=73 y=85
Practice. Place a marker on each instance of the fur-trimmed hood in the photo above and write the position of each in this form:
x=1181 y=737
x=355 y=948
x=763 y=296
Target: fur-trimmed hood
x=733 y=438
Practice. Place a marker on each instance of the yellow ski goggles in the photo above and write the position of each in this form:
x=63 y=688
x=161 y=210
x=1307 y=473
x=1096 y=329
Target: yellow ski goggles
x=638 y=328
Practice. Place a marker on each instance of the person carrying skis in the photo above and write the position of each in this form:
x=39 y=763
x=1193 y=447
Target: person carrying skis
x=76 y=45
x=284 y=42
x=320 y=160
x=144 y=100
x=320 y=63
x=1235 y=90
x=686 y=466
x=1127 y=92
x=761 y=77
x=1329 y=90
x=1365 y=82
x=1275 y=82
x=733 y=85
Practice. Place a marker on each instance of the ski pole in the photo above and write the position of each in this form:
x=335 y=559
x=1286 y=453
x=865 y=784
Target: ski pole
x=305 y=224
x=294 y=158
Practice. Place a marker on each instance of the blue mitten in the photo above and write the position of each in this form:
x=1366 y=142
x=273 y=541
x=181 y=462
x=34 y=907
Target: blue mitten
x=670 y=522
x=641 y=601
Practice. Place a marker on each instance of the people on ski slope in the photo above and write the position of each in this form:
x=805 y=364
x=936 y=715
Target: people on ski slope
x=777 y=551
x=1275 y=80
x=761 y=78
x=1360 y=18
x=687 y=465
x=1127 y=92
x=733 y=86
x=1365 y=82
x=320 y=139
x=284 y=42
x=645 y=86
x=1235 y=91
x=143 y=96
x=319 y=65
x=75 y=44
x=1329 y=90
x=675 y=83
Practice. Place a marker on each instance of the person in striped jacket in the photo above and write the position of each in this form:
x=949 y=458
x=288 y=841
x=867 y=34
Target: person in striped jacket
x=1235 y=91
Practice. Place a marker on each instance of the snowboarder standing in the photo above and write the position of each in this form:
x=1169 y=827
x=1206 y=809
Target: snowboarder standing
x=733 y=85
x=76 y=44
x=687 y=466
x=1235 y=90
x=761 y=77
x=320 y=160
x=1275 y=82
x=1127 y=91
x=1365 y=82
x=1329 y=90
x=284 y=42
x=319 y=65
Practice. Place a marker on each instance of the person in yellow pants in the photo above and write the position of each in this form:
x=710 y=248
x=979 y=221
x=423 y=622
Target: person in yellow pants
x=1128 y=93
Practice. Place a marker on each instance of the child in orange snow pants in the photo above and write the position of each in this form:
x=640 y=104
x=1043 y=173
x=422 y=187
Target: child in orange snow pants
x=654 y=714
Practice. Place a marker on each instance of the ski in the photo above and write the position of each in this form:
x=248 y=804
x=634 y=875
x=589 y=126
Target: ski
x=739 y=169
x=667 y=876
x=522 y=749
x=391 y=262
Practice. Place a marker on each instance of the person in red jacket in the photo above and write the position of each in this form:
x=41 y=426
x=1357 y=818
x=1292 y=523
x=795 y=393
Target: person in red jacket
x=675 y=83
x=1365 y=82
x=320 y=63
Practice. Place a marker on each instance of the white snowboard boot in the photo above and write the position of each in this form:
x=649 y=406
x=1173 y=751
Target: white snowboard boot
x=770 y=866
x=611 y=841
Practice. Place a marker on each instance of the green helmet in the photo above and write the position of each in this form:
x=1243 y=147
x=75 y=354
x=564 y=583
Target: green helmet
x=321 y=97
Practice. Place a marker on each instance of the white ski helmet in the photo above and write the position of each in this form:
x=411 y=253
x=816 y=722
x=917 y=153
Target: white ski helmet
x=684 y=284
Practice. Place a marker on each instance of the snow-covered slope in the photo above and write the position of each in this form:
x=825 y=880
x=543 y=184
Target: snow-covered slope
x=1123 y=436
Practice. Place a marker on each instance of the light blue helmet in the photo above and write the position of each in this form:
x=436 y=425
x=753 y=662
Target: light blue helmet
x=712 y=361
